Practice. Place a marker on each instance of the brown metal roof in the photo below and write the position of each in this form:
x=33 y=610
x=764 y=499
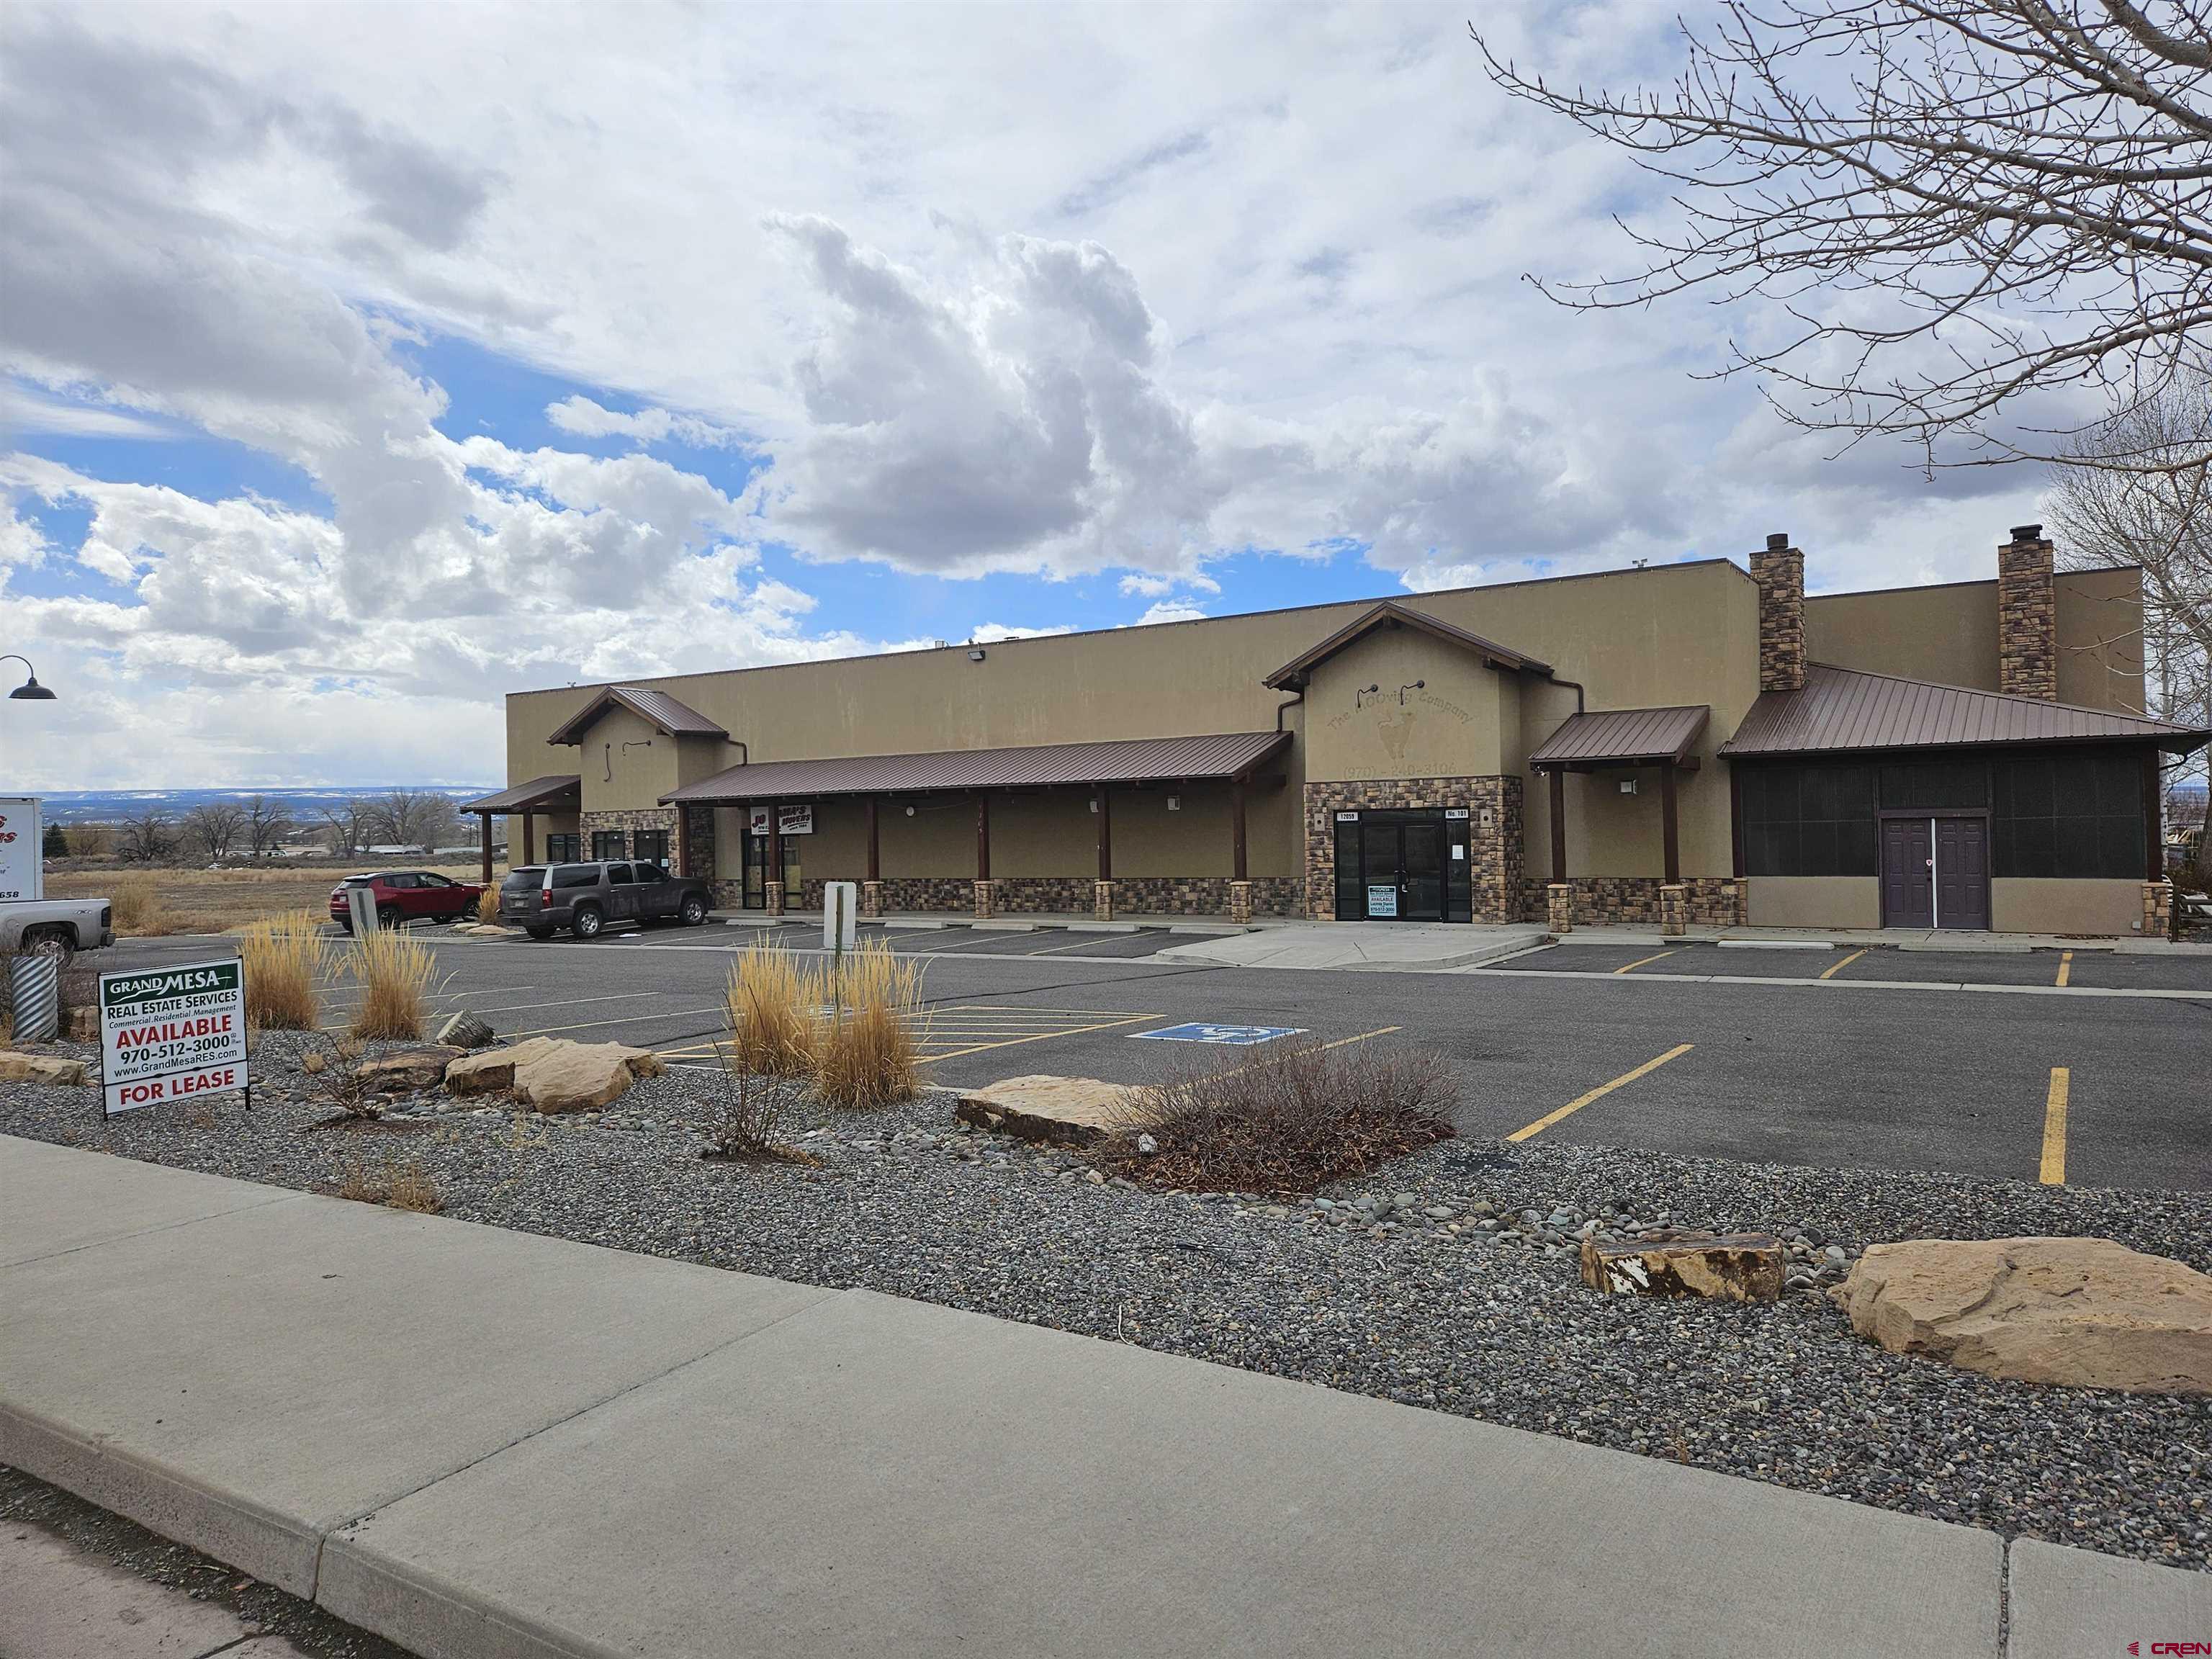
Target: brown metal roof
x=1389 y=614
x=676 y=719
x=1131 y=760
x=1845 y=708
x=555 y=793
x=1623 y=737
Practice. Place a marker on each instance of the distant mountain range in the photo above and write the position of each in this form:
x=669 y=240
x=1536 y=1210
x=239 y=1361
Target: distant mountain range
x=110 y=805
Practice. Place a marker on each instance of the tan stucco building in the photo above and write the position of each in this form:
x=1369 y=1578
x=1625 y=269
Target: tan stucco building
x=1688 y=744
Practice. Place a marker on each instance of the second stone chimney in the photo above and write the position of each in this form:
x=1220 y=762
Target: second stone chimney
x=1779 y=570
x=2027 y=616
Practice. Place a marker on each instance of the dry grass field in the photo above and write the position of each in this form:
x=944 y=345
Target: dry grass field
x=150 y=902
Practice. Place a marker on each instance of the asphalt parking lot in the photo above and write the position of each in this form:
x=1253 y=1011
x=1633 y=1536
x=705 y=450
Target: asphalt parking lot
x=1974 y=1062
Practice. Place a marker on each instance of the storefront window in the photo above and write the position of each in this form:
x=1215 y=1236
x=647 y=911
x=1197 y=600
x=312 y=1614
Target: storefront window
x=608 y=844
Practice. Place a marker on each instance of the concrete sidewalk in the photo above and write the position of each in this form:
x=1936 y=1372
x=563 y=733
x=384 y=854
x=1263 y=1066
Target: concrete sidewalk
x=478 y=1442
x=1405 y=947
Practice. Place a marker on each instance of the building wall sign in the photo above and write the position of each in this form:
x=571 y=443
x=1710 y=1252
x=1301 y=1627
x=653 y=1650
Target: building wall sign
x=789 y=820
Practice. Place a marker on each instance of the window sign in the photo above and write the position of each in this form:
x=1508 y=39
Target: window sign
x=789 y=820
x=1382 y=899
x=171 y=1033
x=1454 y=812
x=1348 y=817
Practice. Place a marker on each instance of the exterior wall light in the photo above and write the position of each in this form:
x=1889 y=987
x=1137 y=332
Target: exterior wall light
x=976 y=654
x=1175 y=803
x=1628 y=786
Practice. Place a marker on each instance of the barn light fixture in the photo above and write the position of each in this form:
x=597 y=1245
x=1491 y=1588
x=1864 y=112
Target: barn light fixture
x=30 y=691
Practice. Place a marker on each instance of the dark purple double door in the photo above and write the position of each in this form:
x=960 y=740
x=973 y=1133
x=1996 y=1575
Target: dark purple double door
x=1935 y=872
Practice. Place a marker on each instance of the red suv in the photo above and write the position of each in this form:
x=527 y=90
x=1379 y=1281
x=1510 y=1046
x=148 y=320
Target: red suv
x=407 y=896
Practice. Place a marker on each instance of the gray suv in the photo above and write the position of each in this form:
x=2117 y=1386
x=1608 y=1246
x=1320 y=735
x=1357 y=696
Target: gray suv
x=588 y=898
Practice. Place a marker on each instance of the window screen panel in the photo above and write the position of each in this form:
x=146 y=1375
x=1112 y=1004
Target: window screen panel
x=1815 y=818
x=2072 y=814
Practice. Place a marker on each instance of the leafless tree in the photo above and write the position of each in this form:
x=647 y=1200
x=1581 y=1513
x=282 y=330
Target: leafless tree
x=147 y=837
x=412 y=817
x=2161 y=520
x=267 y=822
x=214 y=826
x=1969 y=211
x=348 y=826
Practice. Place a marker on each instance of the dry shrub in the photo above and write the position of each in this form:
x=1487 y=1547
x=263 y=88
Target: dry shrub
x=134 y=905
x=1292 y=1117
x=284 y=960
x=868 y=1052
x=749 y=1112
x=771 y=1005
x=394 y=970
x=398 y=1185
x=488 y=904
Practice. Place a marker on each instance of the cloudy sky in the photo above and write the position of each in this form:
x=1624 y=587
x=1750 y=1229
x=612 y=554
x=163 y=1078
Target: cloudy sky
x=363 y=365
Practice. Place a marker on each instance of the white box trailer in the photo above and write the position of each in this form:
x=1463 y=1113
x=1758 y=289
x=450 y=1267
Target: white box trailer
x=22 y=849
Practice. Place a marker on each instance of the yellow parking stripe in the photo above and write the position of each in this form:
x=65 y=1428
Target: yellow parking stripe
x=1639 y=964
x=2054 y=1127
x=2065 y=966
x=1601 y=1092
x=1844 y=964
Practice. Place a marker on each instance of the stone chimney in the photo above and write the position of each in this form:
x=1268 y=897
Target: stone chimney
x=2027 y=616
x=1779 y=570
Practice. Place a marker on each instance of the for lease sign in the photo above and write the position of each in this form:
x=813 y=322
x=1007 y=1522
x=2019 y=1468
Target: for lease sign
x=171 y=1033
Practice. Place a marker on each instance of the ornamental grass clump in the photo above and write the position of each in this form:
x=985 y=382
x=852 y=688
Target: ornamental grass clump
x=771 y=1005
x=284 y=959
x=868 y=1052
x=394 y=971
x=1290 y=1118
x=488 y=904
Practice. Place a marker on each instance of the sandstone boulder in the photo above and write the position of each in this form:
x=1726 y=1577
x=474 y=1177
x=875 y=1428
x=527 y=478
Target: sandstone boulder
x=2081 y=1312
x=493 y=1070
x=1730 y=1266
x=1072 y=1110
x=15 y=1066
x=576 y=1077
x=408 y=1071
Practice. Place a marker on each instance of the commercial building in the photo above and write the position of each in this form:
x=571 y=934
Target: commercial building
x=1679 y=744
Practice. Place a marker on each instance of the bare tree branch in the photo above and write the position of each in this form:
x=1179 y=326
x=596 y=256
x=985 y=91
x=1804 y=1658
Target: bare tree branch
x=1959 y=204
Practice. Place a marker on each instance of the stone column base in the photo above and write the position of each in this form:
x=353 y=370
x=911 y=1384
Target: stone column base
x=1560 y=907
x=2157 y=909
x=872 y=898
x=1102 y=901
x=1673 y=910
x=987 y=900
x=1240 y=901
x=775 y=898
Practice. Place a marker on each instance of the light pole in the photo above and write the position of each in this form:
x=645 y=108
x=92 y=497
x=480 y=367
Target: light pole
x=30 y=691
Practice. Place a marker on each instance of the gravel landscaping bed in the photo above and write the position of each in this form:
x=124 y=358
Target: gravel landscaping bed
x=1448 y=1281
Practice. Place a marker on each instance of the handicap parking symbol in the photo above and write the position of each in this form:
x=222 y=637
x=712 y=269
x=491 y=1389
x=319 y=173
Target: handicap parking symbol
x=1241 y=1036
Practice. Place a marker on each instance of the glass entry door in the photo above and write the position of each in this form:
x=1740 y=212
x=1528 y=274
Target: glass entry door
x=1400 y=866
x=756 y=889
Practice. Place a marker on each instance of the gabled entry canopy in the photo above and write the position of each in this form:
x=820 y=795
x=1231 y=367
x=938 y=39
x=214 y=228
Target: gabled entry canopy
x=1293 y=675
x=672 y=719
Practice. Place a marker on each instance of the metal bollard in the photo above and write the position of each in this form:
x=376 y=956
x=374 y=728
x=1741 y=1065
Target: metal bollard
x=35 y=998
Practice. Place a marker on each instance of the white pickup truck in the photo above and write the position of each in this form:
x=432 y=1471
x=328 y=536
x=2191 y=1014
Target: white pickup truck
x=57 y=927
